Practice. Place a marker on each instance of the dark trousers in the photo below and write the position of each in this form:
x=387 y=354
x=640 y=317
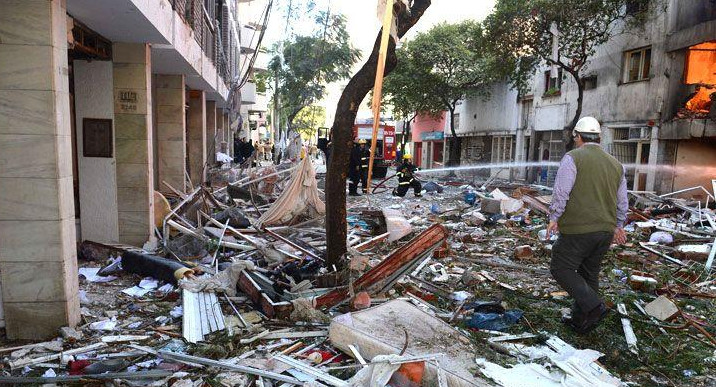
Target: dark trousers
x=576 y=262
x=402 y=189
x=358 y=177
x=364 y=179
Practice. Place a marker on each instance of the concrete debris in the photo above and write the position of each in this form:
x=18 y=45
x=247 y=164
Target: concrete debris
x=662 y=308
x=238 y=292
x=524 y=253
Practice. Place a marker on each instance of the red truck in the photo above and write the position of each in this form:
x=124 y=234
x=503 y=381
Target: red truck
x=363 y=130
x=385 y=144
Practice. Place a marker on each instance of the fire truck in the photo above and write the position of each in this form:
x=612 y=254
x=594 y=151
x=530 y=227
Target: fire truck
x=363 y=130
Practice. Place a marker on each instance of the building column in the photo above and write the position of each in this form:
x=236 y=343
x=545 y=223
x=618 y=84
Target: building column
x=38 y=261
x=133 y=126
x=171 y=131
x=196 y=135
x=212 y=138
x=653 y=159
x=221 y=130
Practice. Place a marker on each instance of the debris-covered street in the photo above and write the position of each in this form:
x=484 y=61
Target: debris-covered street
x=451 y=289
x=373 y=193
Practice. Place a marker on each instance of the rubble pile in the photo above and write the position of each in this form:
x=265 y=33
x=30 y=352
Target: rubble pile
x=450 y=289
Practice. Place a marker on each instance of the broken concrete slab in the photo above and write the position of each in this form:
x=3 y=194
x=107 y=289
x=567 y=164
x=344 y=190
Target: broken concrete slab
x=662 y=308
x=382 y=330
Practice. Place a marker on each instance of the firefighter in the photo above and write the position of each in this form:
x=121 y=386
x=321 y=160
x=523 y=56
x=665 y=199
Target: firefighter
x=364 y=162
x=353 y=170
x=406 y=178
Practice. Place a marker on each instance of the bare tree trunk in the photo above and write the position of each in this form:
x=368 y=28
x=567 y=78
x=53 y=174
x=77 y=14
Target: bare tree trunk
x=455 y=141
x=569 y=144
x=342 y=134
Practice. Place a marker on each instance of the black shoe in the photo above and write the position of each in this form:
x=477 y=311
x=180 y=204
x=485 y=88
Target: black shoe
x=592 y=320
x=353 y=194
x=418 y=195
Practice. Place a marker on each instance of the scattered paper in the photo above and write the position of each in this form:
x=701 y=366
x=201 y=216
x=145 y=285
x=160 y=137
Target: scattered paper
x=149 y=283
x=104 y=325
x=83 y=297
x=90 y=273
x=50 y=373
x=136 y=291
x=177 y=311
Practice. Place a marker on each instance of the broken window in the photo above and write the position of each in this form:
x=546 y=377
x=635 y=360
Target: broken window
x=634 y=7
x=700 y=71
x=590 y=82
x=552 y=86
x=701 y=64
x=637 y=64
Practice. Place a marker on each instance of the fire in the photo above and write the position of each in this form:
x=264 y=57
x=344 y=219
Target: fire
x=700 y=71
x=701 y=64
x=701 y=101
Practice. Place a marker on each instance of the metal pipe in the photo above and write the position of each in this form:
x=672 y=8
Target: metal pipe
x=237 y=368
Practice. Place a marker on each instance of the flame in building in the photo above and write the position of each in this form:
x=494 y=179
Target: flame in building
x=700 y=71
x=701 y=101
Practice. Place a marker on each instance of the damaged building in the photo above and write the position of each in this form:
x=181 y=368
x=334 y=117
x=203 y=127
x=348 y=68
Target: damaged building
x=651 y=88
x=102 y=103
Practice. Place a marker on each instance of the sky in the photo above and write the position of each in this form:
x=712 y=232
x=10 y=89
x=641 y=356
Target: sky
x=363 y=26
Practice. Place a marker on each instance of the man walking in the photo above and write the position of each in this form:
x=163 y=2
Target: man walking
x=589 y=206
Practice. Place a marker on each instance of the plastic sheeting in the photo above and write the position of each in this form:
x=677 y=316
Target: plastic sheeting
x=225 y=281
x=397 y=225
x=299 y=198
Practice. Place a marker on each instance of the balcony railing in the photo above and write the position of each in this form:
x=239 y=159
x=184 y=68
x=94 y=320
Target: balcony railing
x=201 y=17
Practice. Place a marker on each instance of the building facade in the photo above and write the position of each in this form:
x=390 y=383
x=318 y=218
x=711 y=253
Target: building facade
x=102 y=103
x=427 y=135
x=650 y=87
x=491 y=131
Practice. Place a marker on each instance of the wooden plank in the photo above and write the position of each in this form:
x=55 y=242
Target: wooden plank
x=385 y=272
x=216 y=312
x=294 y=335
x=191 y=325
x=204 y=314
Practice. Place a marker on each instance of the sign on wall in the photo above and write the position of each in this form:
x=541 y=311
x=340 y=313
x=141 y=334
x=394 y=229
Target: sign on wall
x=432 y=136
x=126 y=101
x=97 y=137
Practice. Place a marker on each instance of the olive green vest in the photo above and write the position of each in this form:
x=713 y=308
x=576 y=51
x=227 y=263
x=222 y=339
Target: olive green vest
x=592 y=204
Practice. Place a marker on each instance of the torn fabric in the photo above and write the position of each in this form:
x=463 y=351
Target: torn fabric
x=225 y=281
x=299 y=198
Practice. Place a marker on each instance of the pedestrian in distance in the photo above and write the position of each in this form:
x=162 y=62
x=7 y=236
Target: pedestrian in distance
x=407 y=179
x=589 y=207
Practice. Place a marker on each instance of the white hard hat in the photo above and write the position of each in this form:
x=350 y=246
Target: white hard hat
x=588 y=125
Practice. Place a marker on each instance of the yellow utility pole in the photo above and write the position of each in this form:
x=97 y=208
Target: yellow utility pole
x=378 y=86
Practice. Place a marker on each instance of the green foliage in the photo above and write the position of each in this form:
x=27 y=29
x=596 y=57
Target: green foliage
x=440 y=67
x=308 y=120
x=261 y=79
x=519 y=32
x=308 y=62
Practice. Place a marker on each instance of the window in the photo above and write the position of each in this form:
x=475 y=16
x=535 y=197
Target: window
x=502 y=149
x=552 y=86
x=637 y=64
x=456 y=119
x=634 y=7
x=590 y=82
